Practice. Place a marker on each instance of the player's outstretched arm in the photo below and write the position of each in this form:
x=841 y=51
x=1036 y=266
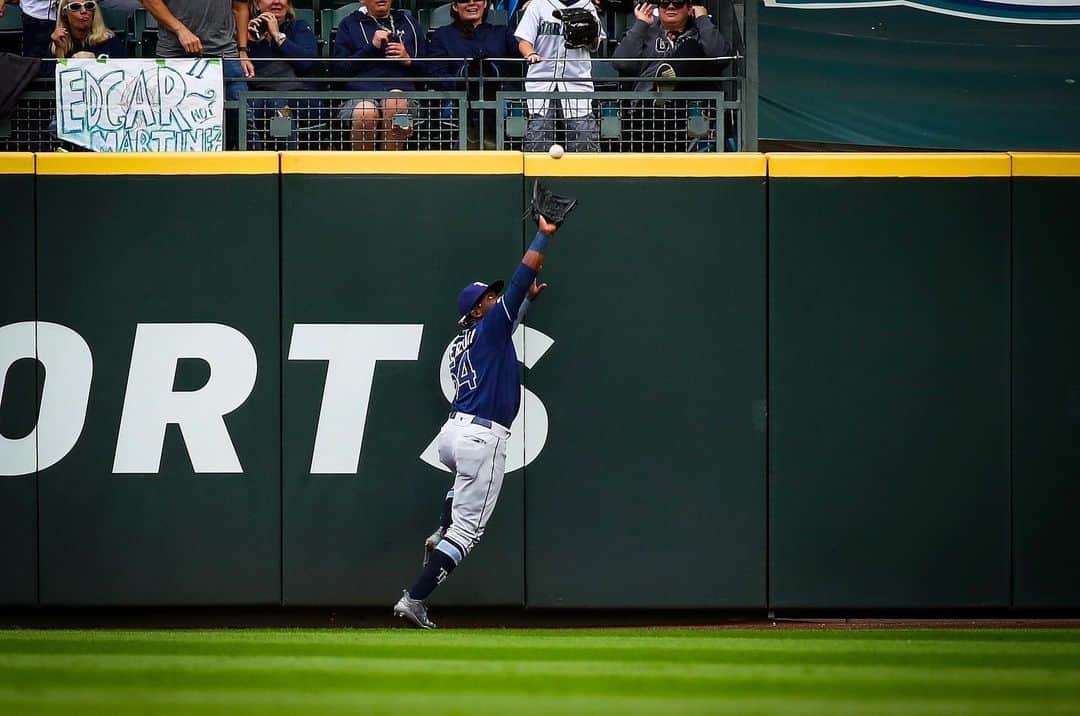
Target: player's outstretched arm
x=534 y=256
x=531 y=263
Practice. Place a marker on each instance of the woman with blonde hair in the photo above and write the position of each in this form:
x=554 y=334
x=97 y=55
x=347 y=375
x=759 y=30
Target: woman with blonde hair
x=81 y=32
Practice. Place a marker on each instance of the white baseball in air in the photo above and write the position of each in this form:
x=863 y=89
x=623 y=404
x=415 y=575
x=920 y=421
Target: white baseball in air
x=556 y=151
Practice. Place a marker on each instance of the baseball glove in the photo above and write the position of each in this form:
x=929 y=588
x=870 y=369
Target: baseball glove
x=580 y=28
x=553 y=207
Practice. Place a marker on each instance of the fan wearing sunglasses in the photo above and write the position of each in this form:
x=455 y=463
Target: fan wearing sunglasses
x=662 y=50
x=80 y=32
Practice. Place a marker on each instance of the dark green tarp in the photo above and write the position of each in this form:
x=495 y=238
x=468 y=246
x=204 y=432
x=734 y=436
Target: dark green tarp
x=896 y=76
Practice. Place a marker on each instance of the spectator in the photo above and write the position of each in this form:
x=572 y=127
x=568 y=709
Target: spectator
x=471 y=35
x=38 y=20
x=648 y=45
x=81 y=32
x=280 y=42
x=389 y=39
x=557 y=68
x=205 y=28
x=658 y=52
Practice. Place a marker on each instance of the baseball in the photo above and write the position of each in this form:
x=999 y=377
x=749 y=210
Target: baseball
x=556 y=151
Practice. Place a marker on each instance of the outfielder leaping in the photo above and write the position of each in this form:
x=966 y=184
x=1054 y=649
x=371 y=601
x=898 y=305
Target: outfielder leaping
x=487 y=381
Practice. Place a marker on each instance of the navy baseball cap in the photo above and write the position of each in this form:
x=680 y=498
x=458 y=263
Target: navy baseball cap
x=471 y=295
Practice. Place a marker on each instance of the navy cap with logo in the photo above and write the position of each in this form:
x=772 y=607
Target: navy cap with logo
x=470 y=296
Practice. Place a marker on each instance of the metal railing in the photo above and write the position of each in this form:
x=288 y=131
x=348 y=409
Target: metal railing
x=477 y=109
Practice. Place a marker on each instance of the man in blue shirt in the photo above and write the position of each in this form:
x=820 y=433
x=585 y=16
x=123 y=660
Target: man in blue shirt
x=472 y=442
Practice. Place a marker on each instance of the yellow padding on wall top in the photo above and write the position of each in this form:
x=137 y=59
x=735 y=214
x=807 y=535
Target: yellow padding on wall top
x=888 y=165
x=16 y=163
x=646 y=165
x=178 y=163
x=1031 y=164
x=401 y=163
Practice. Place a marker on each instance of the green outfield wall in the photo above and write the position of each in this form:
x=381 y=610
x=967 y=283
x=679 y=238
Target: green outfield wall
x=653 y=466
x=755 y=381
x=174 y=242
x=18 y=493
x=1046 y=380
x=364 y=244
x=889 y=381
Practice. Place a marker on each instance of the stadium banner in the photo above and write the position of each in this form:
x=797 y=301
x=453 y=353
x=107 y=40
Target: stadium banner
x=1047 y=12
x=141 y=105
x=902 y=77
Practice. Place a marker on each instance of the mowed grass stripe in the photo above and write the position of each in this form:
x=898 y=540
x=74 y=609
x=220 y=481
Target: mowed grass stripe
x=453 y=703
x=524 y=672
x=904 y=648
x=612 y=668
x=380 y=675
x=655 y=636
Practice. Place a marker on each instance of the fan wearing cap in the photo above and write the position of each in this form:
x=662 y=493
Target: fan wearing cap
x=472 y=442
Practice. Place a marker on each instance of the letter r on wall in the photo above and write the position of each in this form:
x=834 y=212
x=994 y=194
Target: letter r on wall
x=150 y=403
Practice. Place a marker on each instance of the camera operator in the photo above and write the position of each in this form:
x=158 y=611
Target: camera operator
x=377 y=34
x=278 y=43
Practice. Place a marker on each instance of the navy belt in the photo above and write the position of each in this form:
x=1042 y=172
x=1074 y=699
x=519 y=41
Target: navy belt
x=482 y=422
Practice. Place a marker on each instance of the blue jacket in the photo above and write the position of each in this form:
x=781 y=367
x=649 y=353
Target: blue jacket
x=487 y=41
x=300 y=42
x=354 y=40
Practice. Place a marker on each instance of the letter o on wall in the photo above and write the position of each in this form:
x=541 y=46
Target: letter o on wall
x=69 y=369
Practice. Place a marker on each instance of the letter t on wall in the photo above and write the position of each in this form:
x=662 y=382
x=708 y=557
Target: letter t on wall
x=351 y=352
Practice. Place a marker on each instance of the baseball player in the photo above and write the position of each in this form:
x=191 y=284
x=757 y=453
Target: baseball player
x=555 y=38
x=487 y=381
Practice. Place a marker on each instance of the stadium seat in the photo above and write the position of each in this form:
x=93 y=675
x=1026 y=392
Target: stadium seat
x=307 y=15
x=11 y=22
x=119 y=21
x=440 y=17
x=145 y=24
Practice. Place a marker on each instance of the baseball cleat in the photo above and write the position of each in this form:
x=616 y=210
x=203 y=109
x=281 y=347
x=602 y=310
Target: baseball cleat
x=431 y=542
x=413 y=610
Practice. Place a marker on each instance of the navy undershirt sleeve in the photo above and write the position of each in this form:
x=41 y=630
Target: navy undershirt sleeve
x=498 y=324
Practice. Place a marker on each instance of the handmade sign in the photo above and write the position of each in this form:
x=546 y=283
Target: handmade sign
x=140 y=105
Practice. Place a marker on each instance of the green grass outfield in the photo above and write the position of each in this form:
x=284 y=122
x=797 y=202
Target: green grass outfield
x=660 y=672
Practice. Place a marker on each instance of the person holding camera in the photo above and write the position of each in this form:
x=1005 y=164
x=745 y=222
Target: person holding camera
x=678 y=44
x=280 y=47
x=386 y=40
x=684 y=32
